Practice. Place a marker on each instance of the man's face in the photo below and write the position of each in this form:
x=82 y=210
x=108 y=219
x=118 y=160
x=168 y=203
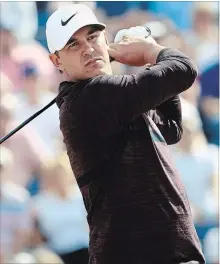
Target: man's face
x=85 y=55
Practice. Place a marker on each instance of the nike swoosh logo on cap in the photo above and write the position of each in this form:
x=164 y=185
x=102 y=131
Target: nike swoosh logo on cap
x=64 y=23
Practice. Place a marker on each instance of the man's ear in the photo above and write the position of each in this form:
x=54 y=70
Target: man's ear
x=56 y=61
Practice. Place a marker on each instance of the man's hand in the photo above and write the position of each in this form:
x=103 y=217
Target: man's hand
x=135 y=51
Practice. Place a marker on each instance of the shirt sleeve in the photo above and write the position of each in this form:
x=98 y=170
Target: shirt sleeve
x=115 y=101
x=168 y=118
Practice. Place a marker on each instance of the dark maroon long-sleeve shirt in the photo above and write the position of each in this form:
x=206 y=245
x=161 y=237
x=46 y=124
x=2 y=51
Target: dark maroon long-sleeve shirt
x=138 y=211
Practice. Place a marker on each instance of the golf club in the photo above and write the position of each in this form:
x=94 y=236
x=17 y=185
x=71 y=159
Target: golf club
x=47 y=106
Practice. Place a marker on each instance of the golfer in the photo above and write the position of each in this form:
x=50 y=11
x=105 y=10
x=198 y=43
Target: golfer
x=116 y=129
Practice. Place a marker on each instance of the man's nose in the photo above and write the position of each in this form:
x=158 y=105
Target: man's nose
x=87 y=49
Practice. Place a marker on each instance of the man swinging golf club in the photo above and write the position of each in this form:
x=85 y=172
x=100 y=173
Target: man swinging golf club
x=116 y=129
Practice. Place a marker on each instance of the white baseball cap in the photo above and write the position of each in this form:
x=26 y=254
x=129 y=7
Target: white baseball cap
x=65 y=21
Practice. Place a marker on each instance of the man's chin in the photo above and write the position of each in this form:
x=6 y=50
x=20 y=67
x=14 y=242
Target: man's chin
x=98 y=72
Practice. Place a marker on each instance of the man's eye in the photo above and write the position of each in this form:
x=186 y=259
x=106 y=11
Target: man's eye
x=72 y=45
x=92 y=37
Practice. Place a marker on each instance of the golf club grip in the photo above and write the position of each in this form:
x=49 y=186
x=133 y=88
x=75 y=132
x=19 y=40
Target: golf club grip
x=27 y=121
x=149 y=33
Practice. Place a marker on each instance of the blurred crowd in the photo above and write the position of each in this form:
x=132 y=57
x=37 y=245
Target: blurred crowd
x=43 y=218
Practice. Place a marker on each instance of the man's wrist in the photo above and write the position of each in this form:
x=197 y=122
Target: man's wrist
x=151 y=54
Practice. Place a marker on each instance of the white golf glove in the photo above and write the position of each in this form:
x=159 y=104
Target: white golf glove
x=133 y=31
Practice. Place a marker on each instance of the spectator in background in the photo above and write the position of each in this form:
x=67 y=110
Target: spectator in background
x=204 y=33
x=9 y=66
x=197 y=163
x=32 y=98
x=204 y=36
x=35 y=54
x=21 y=17
x=26 y=146
x=15 y=224
x=60 y=214
x=13 y=50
